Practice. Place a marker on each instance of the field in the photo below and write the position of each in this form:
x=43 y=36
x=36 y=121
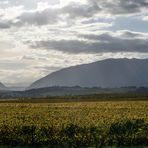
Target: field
x=74 y=124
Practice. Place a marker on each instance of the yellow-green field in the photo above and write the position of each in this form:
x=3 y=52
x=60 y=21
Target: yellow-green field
x=83 y=114
x=74 y=124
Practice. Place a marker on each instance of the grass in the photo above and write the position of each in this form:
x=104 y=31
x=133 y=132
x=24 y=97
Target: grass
x=74 y=124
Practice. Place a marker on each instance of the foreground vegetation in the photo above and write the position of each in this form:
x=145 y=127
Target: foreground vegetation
x=74 y=124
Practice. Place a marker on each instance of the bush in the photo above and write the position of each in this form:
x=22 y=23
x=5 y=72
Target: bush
x=124 y=133
x=131 y=132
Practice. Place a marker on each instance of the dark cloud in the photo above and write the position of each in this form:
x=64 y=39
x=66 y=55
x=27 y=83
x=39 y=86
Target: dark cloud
x=118 y=7
x=75 y=10
x=96 y=44
x=129 y=34
x=107 y=36
x=70 y=46
x=48 y=16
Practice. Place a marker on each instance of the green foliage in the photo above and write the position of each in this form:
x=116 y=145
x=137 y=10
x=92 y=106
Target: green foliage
x=127 y=133
x=130 y=132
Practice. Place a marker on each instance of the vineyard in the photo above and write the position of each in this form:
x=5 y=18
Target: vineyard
x=74 y=124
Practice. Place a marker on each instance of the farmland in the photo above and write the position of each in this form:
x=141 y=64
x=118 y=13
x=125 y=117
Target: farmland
x=74 y=124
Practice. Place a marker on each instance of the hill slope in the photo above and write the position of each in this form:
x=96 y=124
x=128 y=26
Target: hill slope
x=2 y=87
x=107 y=73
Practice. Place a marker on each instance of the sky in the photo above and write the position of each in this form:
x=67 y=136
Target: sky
x=38 y=37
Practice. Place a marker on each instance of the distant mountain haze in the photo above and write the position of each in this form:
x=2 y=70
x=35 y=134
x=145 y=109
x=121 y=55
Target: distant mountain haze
x=108 y=73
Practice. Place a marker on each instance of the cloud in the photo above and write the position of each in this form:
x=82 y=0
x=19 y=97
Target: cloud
x=25 y=57
x=91 y=9
x=47 y=68
x=92 y=43
x=145 y=18
x=46 y=35
x=121 y=7
x=71 y=13
x=4 y=25
x=48 y=16
x=76 y=10
x=32 y=4
x=58 y=14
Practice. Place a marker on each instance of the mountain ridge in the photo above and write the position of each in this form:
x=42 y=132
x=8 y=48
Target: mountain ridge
x=106 y=73
x=2 y=87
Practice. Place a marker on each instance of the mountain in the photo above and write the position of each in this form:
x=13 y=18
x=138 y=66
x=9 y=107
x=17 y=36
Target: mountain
x=2 y=87
x=77 y=92
x=108 y=73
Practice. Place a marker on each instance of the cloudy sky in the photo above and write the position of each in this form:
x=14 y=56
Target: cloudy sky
x=38 y=37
